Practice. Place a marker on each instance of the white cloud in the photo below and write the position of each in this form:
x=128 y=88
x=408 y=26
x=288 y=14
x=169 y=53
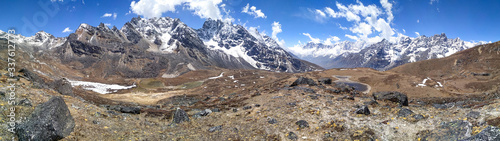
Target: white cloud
x=341 y=27
x=388 y=9
x=227 y=17
x=114 y=15
x=313 y=40
x=370 y=23
x=252 y=10
x=299 y=50
x=155 y=8
x=351 y=37
x=107 y=24
x=432 y=1
x=66 y=30
x=316 y=15
x=418 y=21
x=321 y=13
x=328 y=41
x=106 y=15
x=129 y=12
x=418 y=34
x=404 y=31
x=331 y=12
x=362 y=28
x=277 y=29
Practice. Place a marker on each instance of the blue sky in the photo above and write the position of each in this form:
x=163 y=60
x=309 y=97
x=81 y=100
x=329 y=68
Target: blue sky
x=325 y=21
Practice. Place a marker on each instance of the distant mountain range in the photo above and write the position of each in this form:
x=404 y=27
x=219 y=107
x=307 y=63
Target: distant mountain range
x=162 y=47
x=383 y=55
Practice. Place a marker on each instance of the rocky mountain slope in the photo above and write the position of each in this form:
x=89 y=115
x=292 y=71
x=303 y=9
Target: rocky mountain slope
x=157 y=47
x=385 y=55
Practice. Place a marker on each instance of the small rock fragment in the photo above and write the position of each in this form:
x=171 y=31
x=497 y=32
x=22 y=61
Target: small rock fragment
x=302 y=124
x=272 y=121
x=215 y=128
x=292 y=136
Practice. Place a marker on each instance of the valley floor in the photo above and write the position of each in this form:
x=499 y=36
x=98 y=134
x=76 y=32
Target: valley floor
x=261 y=105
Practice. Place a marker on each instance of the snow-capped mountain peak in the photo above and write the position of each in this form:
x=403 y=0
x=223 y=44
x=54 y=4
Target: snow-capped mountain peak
x=384 y=54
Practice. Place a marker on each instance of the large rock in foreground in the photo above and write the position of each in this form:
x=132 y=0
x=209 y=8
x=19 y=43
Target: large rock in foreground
x=398 y=97
x=449 y=131
x=490 y=133
x=50 y=121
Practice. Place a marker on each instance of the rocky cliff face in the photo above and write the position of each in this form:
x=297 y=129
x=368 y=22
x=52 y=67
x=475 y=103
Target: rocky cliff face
x=259 y=51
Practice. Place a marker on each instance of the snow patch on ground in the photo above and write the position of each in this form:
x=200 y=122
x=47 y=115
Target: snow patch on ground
x=423 y=82
x=191 y=67
x=99 y=87
x=221 y=74
x=439 y=84
x=40 y=72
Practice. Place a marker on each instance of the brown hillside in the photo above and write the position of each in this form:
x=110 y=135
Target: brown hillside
x=469 y=71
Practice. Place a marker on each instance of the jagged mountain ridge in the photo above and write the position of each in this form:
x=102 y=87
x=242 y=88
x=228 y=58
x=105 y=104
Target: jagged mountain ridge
x=385 y=55
x=163 y=47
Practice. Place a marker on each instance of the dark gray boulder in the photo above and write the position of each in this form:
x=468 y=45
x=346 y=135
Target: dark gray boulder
x=473 y=114
x=325 y=81
x=292 y=136
x=25 y=102
x=132 y=110
x=180 y=116
x=63 y=86
x=215 y=128
x=50 y=121
x=302 y=124
x=490 y=133
x=33 y=77
x=448 y=131
x=205 y=112
x=363 y=110
x=305 y=89
x=398 y=97
x=304 y=80
x=272 y=121
x=404 y=112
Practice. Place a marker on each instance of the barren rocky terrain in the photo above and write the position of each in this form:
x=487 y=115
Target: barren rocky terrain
x=426 y=100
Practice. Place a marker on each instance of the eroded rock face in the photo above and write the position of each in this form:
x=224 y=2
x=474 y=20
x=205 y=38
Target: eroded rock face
x=398 y=97
x=51 y=120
